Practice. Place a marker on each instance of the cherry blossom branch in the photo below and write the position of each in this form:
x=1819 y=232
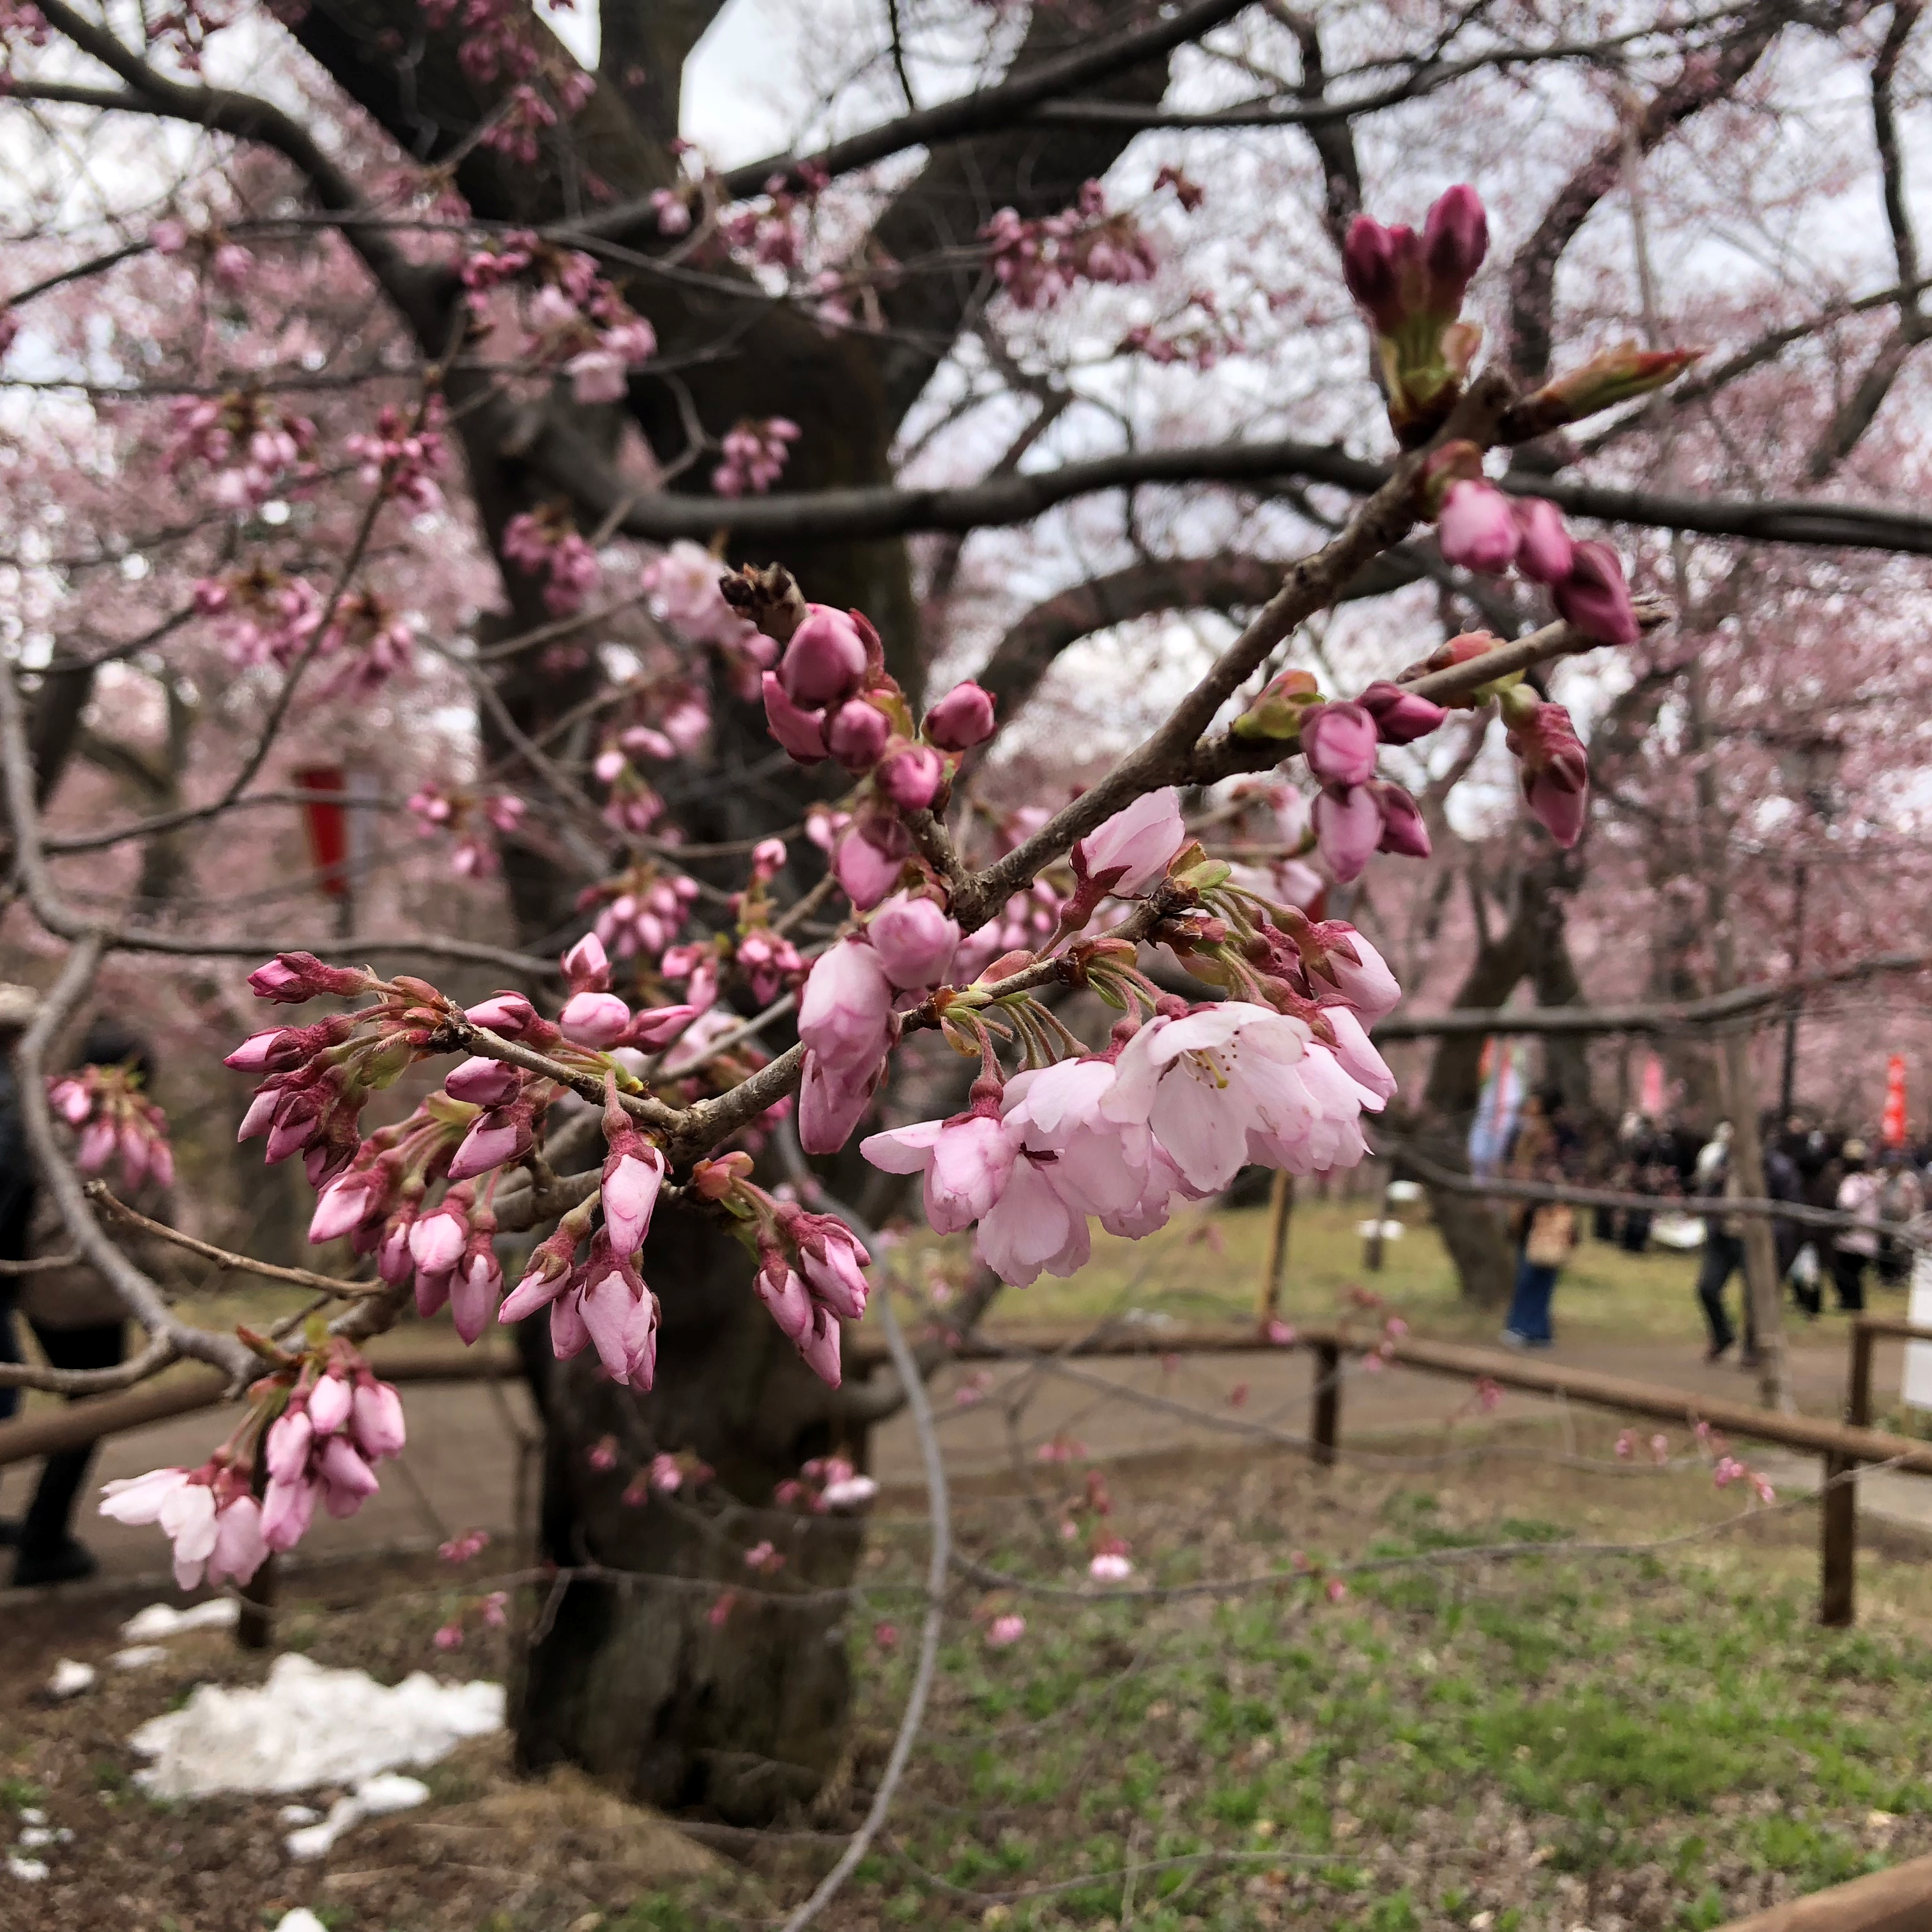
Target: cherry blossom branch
x=258 y=757
x=1308 y=585
x=1423 y=78
x=225 y=1258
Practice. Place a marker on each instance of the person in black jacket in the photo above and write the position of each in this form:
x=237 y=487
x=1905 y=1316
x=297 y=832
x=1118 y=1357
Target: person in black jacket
x=17 y=1199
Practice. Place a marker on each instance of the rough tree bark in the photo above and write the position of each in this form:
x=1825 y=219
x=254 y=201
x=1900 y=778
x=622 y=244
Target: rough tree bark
x=632 y=1680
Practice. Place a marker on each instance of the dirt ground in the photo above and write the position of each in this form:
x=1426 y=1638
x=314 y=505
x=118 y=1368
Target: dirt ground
x=1245 y=1757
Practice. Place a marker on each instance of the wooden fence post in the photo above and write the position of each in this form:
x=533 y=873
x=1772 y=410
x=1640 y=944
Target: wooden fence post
x=1838 y=1554
x=1327 y=1425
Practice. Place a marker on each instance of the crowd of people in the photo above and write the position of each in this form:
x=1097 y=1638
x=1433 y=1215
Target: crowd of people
x=1806 y=1162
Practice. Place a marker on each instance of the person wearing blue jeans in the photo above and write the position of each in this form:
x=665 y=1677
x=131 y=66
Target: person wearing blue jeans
x=1548 y=1236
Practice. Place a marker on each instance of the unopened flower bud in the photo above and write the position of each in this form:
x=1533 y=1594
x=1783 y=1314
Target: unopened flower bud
x=1403 y=831
x=911 y=777
x=857 y=734
x=509 y=1014
x=329 y=1402
x=586 y=966
x=1556 y=771
x=962 y=718
x=825 y=661
x=1545 y=552
x=1401 y=716
x=595 y=1019
x=1339 y=741
x=1611 y=377
x=1278 y=712
x=1475 y=529
x=1455 y=238
x=914 y=941
x=801 y=732
x=292 y=977
x=1595 y=598
x=483 y=1083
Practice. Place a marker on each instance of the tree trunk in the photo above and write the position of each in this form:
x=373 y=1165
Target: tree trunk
x=633 y=1680
x=687 y=1678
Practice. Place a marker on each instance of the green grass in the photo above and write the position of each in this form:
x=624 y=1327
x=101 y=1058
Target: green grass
x=1208 y=1266
x=1693 y=1724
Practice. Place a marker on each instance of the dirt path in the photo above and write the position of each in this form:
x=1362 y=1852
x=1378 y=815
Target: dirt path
x=460 y=1470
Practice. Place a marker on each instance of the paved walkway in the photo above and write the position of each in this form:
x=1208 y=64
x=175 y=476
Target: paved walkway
x=461 y=1468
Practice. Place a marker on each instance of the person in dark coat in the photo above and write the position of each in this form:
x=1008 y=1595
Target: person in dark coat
x=16 y=1198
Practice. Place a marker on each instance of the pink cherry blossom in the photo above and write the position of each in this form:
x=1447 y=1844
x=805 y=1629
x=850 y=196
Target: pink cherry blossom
x=1033 y=1226
x=967 y=1161
x=1129 y=851
x=1004 y=1630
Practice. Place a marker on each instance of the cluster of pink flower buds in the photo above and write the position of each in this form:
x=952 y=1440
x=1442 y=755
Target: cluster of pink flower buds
x=602 y=1300
x=831 y=696
x=320 y=1076
x=377 y=641
x=498 y=43
x=1199 y=336
x=1357 y=815
x=399 y=458
x=1037 y=262
x=262 y=615
x=754 y=453
x=811 y=1278
x=825 y=1483
x=594 y=1016
x=474 y=854
x=1411 y=288
x=545 y=543
x=250 y=447
x=106 y=1107
x=340 y=1421
x=1480 y=528
x=641 y=911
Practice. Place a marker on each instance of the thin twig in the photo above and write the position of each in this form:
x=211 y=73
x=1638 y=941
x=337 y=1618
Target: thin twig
x=938 y=1566
x=225 y=1258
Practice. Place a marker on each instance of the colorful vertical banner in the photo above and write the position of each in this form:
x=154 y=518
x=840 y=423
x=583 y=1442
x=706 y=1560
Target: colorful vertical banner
x=1891 y=1126
x=1498 y=1108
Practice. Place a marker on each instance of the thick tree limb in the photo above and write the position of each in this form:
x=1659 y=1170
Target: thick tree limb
x=888 y=510
x=1686 y=1016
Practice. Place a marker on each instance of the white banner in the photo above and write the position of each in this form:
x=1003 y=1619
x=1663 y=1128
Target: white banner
x=1918 y=1385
